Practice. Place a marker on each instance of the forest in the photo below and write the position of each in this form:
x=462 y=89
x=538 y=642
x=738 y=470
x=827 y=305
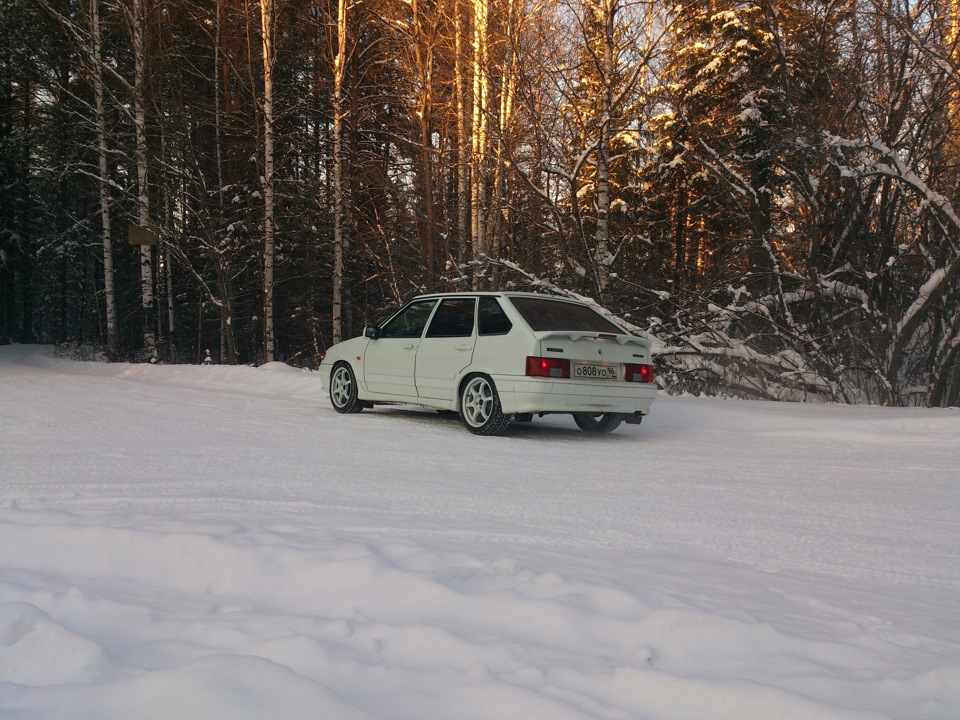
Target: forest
x=768 y=189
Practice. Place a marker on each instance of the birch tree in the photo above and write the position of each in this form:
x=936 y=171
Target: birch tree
x=602 y=46
x=341 y=237
x=222 y=99
x=268 y=27
x=585 y=105
x=505 y=133
x=463 y=133
x=416 y=29
x=479 y=171
x=138 y=29
x=918 y=156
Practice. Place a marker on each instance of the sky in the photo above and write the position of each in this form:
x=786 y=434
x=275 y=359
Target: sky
x=216 y=542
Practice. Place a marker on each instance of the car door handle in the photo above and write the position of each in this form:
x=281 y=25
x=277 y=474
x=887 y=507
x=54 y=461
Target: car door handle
x=464 y=348
x=411 y=346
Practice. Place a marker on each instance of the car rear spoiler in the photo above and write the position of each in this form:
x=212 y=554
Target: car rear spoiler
x=576 y=335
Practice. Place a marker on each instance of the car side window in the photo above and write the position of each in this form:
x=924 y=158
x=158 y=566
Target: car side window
x=492 y=320
x=454 y=318
x=410 y=321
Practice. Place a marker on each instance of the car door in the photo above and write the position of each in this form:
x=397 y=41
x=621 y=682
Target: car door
x=390 y=358
x=447 y=348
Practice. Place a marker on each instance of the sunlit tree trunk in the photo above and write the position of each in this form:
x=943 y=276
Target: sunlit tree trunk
x=423 y=49
x=463 y=138
x=606 y=10
x=481 y=84
x=340 y=235
x=499 y=201
x=953 y=104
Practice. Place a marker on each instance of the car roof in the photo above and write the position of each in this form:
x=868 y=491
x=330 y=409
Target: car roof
x=497 y=293
x=509 y=294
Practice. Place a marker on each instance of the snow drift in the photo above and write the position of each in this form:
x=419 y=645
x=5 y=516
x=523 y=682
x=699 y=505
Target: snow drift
x=216 y=542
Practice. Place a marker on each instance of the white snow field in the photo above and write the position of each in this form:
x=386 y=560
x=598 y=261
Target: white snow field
x=208 y=543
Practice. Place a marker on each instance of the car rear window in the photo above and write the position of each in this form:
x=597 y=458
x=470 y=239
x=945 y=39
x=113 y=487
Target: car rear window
x=543 y=315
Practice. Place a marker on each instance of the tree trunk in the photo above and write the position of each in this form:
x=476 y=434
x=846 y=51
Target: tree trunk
x=463 y=139
x=680 y=235
x=499 y=202
x=340 y=235
x=762 y=270
x=143 y=200
x=480 y=91
x=608 y=11
x=423 y=46
x=426 y=169
x=267 y=25
x=228 y=349
x=103 y=182
x=167 y=263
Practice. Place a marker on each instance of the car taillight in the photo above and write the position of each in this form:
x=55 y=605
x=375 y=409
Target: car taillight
x=548 y=367
x=639 y=373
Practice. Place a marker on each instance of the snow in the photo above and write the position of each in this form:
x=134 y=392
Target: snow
x=213 y=542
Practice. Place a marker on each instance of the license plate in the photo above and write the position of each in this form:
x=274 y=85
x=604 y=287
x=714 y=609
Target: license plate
x=589 y=371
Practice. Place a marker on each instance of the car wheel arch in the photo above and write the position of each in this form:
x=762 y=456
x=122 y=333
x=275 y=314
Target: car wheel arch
x=464 y=378
x=461 y=383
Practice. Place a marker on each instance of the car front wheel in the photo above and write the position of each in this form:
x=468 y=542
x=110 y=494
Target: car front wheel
x=343 y=390
x=602 y=423
x=480 y=407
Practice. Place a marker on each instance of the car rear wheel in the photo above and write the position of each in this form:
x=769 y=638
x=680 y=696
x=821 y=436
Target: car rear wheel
x=600 y=423
x=343 y=390
x=480 y=407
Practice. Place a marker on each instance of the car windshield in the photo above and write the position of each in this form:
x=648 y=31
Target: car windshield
x=543 y=314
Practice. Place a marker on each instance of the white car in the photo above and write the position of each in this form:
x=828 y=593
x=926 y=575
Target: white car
x=493 y=357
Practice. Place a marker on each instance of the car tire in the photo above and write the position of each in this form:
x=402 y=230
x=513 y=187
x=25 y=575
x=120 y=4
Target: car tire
x=602 y=423
x=480 y=407
x=343 y=389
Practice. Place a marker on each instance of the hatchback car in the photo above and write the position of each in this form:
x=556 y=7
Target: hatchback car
x=496 y=357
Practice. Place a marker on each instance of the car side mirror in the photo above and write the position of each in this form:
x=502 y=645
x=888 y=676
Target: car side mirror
x=371 y=332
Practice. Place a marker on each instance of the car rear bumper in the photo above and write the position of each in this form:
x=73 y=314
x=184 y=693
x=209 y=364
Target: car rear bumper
x=537 y=395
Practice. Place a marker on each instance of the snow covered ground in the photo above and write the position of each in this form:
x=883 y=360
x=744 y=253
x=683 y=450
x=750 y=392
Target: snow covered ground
x=211 y=542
